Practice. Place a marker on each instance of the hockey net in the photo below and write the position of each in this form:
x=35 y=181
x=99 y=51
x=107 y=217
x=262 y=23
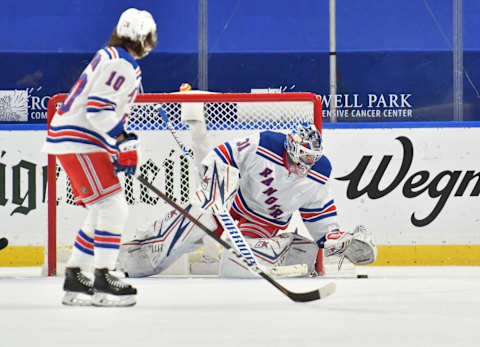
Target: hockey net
x=227 y=116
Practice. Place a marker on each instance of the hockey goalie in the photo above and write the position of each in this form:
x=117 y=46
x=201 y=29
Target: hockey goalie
x=261 y=180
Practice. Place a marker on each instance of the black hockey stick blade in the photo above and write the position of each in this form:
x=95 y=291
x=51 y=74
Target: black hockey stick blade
x=3 y=243
x=317 y=294
x=313 y=295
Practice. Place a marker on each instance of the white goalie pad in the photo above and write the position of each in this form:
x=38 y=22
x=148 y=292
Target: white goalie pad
x=362 y=249
x=218 y=186
x=162 y=242
x=285 y=255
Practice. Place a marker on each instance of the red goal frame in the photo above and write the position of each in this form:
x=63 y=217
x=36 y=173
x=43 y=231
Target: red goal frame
x=160 y=98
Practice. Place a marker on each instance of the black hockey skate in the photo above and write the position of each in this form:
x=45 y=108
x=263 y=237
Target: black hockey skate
x=78 y=288
x=110 y=291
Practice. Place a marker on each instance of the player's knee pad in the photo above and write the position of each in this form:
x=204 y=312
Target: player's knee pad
x=112 y=213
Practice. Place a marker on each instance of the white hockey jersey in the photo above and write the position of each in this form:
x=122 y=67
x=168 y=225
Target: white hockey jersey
x=269 y=194
x=97 y=106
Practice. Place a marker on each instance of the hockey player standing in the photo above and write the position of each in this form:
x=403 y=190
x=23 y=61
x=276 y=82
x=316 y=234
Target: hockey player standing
x=87 y=135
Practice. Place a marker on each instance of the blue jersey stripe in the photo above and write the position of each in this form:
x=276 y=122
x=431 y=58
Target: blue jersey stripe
x=102 y=100
x=323 y=216
x=221 y=156
x=268 y=158
x=328 y=204
x=229 y=149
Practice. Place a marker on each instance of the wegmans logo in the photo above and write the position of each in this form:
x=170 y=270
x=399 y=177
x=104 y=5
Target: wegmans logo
x=439 y=187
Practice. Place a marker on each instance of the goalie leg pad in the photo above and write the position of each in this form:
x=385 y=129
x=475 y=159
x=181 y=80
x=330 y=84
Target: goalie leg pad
x=163 y=242
x=284 y=255
x=302 y=251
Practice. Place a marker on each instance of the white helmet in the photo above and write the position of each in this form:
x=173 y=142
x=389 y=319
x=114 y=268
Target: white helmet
x=304 y=148
x=136 y=25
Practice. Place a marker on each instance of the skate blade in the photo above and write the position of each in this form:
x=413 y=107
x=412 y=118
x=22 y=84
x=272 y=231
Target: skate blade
x=76 y=299
x=109 y=300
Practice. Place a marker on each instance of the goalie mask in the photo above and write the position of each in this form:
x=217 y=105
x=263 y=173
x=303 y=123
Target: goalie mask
x=304 y=148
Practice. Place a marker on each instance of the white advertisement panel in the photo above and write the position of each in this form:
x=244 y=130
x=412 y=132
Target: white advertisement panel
x=410 y=186
x=23 y=183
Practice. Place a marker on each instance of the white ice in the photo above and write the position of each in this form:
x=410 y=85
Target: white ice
x=395 y=306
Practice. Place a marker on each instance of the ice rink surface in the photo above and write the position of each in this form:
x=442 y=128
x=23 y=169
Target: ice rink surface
x=395 y=306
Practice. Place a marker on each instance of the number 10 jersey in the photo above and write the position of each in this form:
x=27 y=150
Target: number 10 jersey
x=95 y=110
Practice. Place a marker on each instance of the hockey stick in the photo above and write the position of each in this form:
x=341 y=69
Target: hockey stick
x=223 y=217
x=316 y=294
x=170 y=128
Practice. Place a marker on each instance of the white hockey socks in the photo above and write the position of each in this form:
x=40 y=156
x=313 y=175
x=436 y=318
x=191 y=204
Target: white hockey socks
x=82 y=252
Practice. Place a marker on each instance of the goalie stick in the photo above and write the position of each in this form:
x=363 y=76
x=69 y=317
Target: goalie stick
x=313 y=295
x=223 y=217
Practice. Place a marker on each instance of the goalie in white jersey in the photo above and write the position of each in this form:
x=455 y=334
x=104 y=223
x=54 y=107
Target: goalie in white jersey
x=262 y=180
x=87 y=135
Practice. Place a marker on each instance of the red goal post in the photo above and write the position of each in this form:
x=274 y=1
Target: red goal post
x=228 y=115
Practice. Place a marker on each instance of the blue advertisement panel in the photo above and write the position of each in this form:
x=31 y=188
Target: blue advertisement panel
x=394 y=59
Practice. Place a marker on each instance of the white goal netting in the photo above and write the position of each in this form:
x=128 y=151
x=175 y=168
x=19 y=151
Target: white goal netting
x=227 y=116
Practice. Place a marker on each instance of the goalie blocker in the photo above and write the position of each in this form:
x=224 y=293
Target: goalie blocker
x=160 y=243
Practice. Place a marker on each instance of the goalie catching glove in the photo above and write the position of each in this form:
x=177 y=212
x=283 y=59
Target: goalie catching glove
x=358 y=246
x=362 y=249
x=127 y=158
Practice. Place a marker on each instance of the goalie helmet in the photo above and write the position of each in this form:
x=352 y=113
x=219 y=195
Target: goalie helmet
x=304 y=148
x=138 y=26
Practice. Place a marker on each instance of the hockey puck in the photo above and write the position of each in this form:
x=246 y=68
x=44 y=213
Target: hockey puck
x=362 y=276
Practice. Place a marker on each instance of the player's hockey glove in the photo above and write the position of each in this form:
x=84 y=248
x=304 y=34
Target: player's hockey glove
x=127 y=154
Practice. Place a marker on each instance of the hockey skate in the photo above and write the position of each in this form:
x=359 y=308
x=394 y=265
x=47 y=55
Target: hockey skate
x=110 y=291
x=78 y=288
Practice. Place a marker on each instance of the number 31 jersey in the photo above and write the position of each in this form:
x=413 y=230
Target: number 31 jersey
x=268 y=194
x=97 y=106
